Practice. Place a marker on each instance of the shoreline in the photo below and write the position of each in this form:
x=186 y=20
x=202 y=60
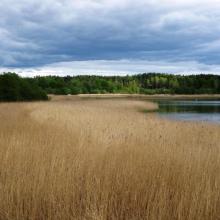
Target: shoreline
x=151 y=101
x=160 y=96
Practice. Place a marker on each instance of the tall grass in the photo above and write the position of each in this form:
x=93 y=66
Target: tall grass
x=103 y=159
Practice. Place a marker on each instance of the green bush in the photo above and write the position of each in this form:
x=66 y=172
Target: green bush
x=15 y=88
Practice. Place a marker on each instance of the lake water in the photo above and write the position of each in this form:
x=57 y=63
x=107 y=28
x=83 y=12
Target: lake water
x=190 y=110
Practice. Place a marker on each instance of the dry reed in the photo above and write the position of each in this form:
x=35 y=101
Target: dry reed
x=103 y=159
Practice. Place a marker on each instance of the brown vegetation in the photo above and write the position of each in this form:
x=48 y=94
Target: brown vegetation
x=103 y=159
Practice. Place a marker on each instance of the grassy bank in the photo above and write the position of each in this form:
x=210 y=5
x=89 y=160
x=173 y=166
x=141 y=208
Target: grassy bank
x=103 y=159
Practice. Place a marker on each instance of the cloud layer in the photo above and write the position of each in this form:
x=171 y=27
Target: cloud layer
x=101 y=35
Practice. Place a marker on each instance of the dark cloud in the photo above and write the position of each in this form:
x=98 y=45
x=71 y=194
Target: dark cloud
x=37 y=33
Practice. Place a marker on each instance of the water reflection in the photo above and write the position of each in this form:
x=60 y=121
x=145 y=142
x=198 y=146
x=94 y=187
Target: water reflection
x=190 y=110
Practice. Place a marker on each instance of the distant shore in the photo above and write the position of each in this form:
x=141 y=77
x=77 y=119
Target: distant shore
x=160 y=96
x=130 y=96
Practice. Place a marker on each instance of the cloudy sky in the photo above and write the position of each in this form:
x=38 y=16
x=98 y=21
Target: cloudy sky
x=41 y=37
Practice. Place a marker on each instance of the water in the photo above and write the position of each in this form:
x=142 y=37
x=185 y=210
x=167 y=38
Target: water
x=190 y=110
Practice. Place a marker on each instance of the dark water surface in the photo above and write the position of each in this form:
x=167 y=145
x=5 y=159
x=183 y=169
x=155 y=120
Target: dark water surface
x=190 y=110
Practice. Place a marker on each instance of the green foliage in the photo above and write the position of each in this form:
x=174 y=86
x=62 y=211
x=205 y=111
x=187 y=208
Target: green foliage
x=150 y=83
x=14 y=88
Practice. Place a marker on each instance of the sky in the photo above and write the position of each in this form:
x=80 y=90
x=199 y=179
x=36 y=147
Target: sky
x=109 y=37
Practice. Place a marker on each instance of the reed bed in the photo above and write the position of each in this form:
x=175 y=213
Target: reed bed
x=105 y=160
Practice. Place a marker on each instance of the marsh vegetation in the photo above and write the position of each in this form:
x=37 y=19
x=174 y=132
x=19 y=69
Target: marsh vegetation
x=105 y=159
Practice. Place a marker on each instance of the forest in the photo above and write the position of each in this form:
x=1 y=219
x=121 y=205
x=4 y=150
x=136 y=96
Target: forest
x=147 y=83
x=16 y=88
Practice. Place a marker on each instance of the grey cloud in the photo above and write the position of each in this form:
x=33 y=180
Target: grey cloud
x=119 y=67
x=38 y=33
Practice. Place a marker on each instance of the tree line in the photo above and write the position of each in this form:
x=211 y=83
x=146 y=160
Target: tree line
x=147 y=83
x=15 y=88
